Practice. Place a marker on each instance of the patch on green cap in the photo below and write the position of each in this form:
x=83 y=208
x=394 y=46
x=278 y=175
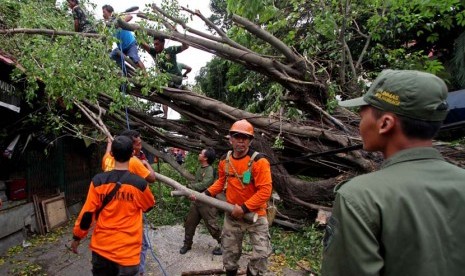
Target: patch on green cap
x=414 y=94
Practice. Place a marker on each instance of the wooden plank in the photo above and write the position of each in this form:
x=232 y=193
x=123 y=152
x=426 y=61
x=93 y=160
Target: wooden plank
x=38 y=213
x=54 y=211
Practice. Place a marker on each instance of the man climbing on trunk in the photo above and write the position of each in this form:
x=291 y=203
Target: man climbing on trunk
x=126 y=44
x=82 y=23
x=165 y=59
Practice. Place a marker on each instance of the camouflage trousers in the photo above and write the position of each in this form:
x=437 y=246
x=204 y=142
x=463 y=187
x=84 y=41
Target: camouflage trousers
x=199 y=211
x=233 y=234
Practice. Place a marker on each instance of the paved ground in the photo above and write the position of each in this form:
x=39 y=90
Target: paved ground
x=54 y=258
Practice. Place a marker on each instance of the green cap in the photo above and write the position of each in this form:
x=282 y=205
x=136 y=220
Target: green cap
x=414 y=94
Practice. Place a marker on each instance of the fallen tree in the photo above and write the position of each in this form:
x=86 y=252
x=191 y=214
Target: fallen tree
x=316 y=152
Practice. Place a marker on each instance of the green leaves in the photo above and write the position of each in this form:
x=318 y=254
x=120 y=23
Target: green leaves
x=298 y=247
x=65 y=68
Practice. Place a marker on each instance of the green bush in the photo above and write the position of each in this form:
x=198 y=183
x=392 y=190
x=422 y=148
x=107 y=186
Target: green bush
x=297 y=249
x=168 y=209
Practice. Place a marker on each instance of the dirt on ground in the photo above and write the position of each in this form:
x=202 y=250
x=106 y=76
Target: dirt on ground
x=53 y=257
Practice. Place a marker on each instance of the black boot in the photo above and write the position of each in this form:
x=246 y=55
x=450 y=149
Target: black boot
x=184 y=249
x=231 y=272
x=217 y=251
x=248 y=273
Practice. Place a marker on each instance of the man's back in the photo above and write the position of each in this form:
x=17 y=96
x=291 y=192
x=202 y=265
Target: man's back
x=404 y=219
x=117 y=235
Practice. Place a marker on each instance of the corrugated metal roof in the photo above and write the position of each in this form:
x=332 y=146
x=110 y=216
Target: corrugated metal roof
x=10 y=60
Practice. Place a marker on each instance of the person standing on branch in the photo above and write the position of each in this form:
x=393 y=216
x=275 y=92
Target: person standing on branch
x=81 y=21
x=115 y=203
x=245 y=176
x=204 y=177
x=166 y=61
x=126 y=44
x=407 y=217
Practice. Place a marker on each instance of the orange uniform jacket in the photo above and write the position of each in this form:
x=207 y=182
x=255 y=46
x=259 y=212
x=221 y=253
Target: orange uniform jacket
x=135 y=165
x=251 y=197
x=117 y=234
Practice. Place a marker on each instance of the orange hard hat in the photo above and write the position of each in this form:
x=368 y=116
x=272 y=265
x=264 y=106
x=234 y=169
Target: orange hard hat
x=242 y=126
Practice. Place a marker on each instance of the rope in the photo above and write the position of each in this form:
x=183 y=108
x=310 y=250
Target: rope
x=152 y=251
x=123 y=88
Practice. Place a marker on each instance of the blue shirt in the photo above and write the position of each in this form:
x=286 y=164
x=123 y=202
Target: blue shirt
x=125 y=39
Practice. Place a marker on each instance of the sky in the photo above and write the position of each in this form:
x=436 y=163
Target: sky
x=193 y=57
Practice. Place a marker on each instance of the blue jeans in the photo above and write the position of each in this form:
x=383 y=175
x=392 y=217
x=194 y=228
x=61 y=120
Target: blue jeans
x=132 y=52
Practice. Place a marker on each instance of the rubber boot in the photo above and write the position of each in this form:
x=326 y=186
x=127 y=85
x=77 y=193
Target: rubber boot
x=184 y=249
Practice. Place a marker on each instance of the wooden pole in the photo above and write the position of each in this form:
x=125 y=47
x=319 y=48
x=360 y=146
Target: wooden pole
x=181 y=190
x=209 y=272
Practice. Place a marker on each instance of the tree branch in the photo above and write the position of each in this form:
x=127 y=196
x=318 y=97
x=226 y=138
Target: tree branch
x=220 y=32
x=267 y=37
x=96 y=120
x=47 y=32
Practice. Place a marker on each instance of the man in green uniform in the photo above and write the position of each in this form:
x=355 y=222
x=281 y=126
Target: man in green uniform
x=407 y=218
x=204 y=177
x=183 y=66
x=81 y=22
x=165 y=59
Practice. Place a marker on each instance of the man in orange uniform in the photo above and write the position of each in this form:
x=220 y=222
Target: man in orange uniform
x=117 y=236
x=247 y=176
x=139 y=166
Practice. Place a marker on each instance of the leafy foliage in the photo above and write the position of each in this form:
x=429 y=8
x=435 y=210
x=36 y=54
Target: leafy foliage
x=379 y=34
x=232 y=84
x=73 y=68
x=169 y=209
x=292 y=248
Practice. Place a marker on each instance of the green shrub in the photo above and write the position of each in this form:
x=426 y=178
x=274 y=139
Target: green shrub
x=168 y=209
x=297 y=249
